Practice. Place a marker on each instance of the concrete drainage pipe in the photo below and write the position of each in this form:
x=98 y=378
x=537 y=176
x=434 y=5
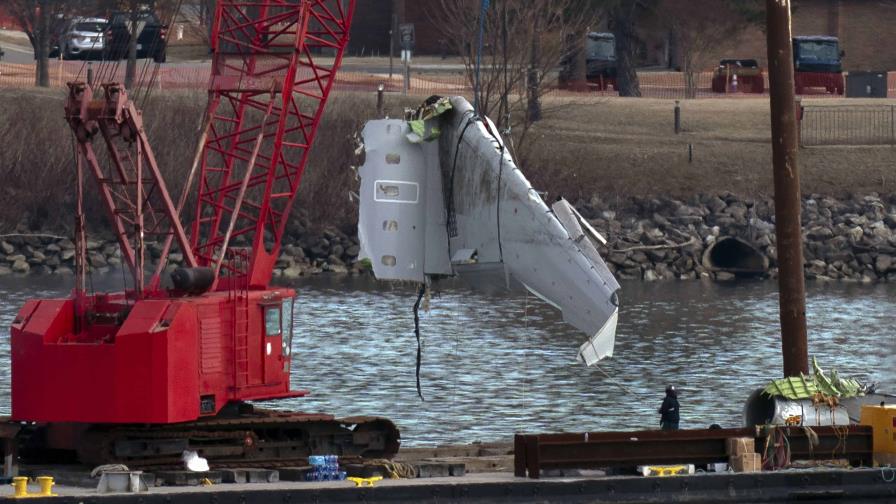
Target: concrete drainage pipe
x=734 y=255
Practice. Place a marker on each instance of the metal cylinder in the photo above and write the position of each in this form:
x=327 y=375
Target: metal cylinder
x=193 y=280
x=761 y=409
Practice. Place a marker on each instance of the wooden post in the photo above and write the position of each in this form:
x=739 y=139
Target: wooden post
x=785 y=149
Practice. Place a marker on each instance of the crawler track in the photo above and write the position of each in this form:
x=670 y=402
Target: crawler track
x=254 y=437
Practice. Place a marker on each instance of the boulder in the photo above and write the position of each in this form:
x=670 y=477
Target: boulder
x=820 y=233
x=41 y=269
x=817 y=267
x=716 y=204
x=883 y=264
x=293 y=272
x=724 y=276
x=337 y=251
x=111 y=250
x=97 y=260
x=21 y=266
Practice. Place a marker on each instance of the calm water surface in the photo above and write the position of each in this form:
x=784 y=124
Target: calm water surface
x=493 y=366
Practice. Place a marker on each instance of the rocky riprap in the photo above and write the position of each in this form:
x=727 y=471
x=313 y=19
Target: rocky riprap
x=307 y=254
x=850 y=239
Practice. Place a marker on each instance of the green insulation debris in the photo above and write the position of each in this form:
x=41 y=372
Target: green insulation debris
x=808 y=387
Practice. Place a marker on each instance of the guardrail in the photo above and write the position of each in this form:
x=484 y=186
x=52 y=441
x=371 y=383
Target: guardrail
x=600 y=450
x=848 y=125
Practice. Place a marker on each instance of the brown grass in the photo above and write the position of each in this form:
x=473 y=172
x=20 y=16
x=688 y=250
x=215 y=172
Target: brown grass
x=613 y=148
x=618 y=148
x=37 y=167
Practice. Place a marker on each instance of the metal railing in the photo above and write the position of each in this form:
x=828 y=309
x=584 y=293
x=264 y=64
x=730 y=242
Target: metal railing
x=848 y=125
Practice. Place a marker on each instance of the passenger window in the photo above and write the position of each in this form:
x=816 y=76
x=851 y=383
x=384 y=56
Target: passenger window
x=272 y=321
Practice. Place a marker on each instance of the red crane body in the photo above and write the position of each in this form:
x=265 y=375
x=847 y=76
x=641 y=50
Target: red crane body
x=166 y=354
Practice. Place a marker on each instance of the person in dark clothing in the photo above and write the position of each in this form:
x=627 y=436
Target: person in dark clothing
x=669 y=411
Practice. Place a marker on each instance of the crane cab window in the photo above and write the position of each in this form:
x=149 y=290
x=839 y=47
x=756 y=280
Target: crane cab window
x=288 y=306
x=272 y=321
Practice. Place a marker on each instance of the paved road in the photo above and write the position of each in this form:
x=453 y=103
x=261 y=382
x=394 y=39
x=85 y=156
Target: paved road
x=17 y=53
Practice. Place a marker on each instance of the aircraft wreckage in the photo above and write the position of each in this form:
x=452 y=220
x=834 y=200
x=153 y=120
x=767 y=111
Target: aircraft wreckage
x=441 y=196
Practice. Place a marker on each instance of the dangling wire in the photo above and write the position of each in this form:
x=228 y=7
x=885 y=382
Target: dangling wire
x=417 y=333
x=482 y=13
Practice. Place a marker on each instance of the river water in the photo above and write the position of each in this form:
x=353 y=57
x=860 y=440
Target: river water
x=493 y=366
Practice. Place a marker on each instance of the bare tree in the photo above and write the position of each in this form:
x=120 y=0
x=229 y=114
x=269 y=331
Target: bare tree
x=165 y=10
x=39 y=19
x=624 y=15
x=700 y=28
x=523 y=44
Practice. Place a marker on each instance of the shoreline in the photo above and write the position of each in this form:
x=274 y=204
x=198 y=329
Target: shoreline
x=650 y=239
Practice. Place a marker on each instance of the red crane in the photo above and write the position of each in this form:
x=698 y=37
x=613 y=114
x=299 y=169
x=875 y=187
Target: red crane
x=167 y=365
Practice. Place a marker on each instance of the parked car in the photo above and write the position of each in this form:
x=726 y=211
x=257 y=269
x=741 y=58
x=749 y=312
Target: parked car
x=79 y=37
x=151 y=41
x=738 y=75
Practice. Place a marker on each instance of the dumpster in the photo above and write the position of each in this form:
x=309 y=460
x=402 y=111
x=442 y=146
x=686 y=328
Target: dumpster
x=866 y=85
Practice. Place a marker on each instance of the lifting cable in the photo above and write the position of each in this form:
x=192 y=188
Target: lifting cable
x=420 y=295
x=451 y=214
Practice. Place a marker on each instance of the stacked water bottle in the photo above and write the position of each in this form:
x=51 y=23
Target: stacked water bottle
x=325 y=468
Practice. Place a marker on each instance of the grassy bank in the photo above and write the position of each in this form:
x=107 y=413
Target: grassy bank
x=619 y=148
x=37 y=168
x=613 y=148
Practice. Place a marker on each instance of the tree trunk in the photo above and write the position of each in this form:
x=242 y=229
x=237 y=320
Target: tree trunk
x=575 y=56
x=534 y=87
x=504 y=108
x=624 y=30
x=42 y=51
x=131 y=71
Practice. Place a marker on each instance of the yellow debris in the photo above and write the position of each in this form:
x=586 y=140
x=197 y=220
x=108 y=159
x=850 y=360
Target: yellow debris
x=666 y=471
x=20 y=486
x=359 y=482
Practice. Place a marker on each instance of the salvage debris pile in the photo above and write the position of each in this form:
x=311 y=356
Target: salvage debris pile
x=819 y=387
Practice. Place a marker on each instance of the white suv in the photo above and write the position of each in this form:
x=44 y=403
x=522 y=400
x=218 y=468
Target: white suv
x=82 y=37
